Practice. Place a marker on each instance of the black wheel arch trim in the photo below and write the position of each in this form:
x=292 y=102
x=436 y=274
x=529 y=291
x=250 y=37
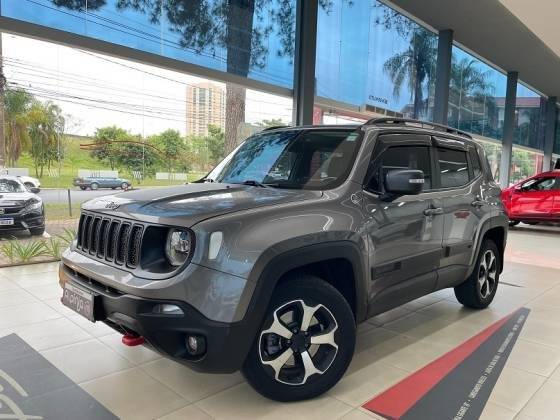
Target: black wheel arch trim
x=489 y=224
x=272 y=265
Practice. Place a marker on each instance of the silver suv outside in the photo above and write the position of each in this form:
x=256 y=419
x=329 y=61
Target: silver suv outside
x=269 y=262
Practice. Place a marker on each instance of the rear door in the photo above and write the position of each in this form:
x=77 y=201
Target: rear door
x=458 y=180
x=534 y=198
x=405 y=233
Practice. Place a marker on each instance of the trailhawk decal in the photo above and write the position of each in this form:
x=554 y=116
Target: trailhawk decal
x=458 y=384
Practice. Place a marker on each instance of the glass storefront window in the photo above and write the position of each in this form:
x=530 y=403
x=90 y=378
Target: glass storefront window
x=530 y=111
x=493 y=152
x=524 y=164
x=476 y=96
x=370 y=56
x=250 y=39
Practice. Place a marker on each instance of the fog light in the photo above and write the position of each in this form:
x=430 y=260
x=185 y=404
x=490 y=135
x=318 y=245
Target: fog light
x=196 y=345
x=165 y=309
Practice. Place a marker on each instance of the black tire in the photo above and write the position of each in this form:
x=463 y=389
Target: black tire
x=334 y=313
x=478 y=292
x=83 y=188
x=124 y=186
x=513 y=223
x=37 y=231
x=94 y=185
x=531 y=223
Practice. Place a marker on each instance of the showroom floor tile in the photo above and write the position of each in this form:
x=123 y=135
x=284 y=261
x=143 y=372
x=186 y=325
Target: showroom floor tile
x=136 y=383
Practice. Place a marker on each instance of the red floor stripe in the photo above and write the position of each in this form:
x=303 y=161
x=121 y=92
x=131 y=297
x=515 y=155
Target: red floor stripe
x=397 y=400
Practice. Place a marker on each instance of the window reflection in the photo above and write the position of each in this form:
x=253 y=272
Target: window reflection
x=248 y=38
x=476 y=96
x=370 y=56
x=530 y=110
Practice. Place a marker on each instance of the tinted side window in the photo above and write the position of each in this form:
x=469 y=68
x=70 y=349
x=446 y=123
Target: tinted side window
x=539 y=184
x=453 y=168
x=475 y=161
x=402 y=157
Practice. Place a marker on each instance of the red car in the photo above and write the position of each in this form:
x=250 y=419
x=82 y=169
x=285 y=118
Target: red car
x=534 y=200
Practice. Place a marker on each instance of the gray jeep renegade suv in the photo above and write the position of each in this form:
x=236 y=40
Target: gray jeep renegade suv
x=268 y=263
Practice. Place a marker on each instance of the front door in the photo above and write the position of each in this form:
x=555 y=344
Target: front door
x=405 y=233
x=534 y=198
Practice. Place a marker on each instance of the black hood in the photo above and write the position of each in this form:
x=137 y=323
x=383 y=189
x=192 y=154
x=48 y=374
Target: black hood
x=189 y=204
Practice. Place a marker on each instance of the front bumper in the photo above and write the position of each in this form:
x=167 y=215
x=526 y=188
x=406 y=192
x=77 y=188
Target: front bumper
x=23 y=221
x=227 y=343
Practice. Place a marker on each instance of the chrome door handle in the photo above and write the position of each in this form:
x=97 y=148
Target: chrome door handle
x=432 y=211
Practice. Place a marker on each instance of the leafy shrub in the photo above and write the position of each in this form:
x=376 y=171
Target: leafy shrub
x=53 y=247
x=67 y=235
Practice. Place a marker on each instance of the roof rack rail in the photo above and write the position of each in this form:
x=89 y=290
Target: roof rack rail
x=274 y=127
x=423 y=124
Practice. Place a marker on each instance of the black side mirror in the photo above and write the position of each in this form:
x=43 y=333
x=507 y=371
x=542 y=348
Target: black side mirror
x=35 y=190
x=404 y=181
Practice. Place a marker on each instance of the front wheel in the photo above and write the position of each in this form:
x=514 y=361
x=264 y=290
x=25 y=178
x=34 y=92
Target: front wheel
x=305 y=343
x=94 y=186
x=124 y=186
x=513 y=223
x=479 y=289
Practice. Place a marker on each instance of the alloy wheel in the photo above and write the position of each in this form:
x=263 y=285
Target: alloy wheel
x=299 y=343
x=487 y=273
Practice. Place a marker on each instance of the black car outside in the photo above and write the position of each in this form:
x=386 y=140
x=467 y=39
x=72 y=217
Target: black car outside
x=20 y=209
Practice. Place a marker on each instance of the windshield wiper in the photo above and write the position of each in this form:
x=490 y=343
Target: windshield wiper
x=255 y=183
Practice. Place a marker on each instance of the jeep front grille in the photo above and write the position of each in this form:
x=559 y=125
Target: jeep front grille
x=110 y=239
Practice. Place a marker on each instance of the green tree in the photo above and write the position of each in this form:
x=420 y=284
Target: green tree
x=46 y=126
x=106 y=144
x=17 y=104
x=171 y=147
x=215 y=143
x=134 y=155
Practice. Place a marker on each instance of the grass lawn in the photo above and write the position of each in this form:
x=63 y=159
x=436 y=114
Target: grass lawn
x=60 y=211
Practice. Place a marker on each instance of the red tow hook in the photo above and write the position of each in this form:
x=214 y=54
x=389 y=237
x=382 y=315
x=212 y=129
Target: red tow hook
x=132 y=340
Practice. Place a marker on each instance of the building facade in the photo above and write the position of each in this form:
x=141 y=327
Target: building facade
x=205 y=105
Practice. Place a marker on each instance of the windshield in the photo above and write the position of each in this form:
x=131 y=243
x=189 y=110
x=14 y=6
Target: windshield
x=11 y=186
x=312 y=159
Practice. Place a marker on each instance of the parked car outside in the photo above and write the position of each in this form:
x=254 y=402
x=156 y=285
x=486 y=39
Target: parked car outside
x=534 y=200
x=30 y=182
x=268 y=263
x=20 y=207
x=102 y=182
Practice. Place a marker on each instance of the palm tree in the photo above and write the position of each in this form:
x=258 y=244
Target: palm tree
x=17 y=105
x=413 y=67
x=46 y=125
x=469 y=89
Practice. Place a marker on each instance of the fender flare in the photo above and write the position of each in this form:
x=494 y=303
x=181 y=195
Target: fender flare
x=488 y=224
x=275 y=262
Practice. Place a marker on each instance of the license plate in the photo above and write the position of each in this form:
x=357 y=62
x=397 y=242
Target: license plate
x=4 y=222
x=79 y=300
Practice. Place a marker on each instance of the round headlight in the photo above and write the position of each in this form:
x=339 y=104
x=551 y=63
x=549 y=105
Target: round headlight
x=179 y=246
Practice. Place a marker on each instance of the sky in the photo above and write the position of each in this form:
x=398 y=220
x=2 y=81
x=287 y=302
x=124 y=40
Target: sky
x=94 y=90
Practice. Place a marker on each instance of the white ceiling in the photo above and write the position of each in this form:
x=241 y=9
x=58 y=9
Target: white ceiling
x=542 y=17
